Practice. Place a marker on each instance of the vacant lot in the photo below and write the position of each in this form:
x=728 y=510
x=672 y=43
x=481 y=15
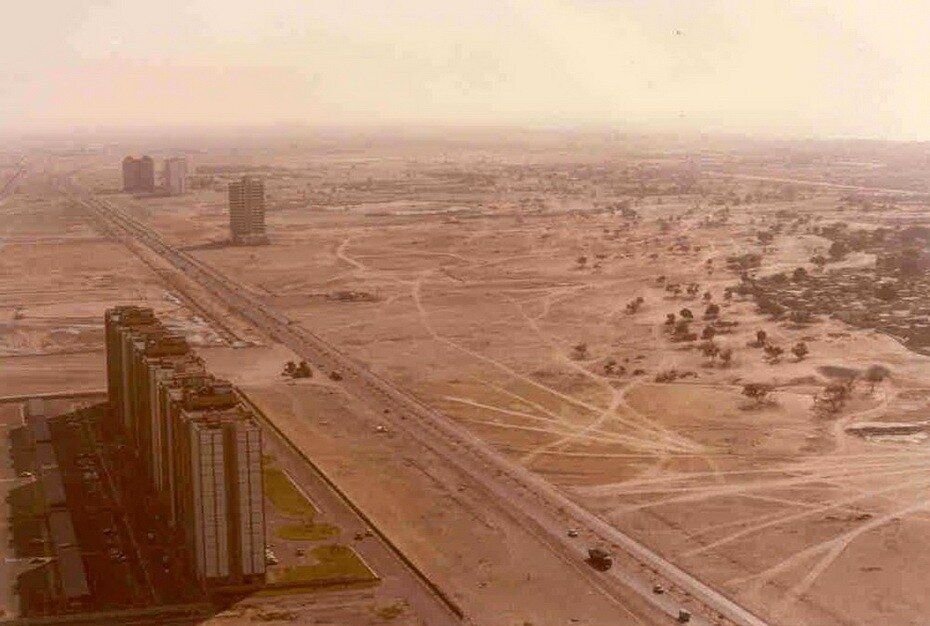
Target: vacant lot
x=503 y=285
x=499 y=292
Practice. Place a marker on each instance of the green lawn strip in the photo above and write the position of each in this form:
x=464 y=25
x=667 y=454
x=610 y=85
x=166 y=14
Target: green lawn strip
x=288 y=501
x=285 y=497
x=335 y=564
x=306 y=531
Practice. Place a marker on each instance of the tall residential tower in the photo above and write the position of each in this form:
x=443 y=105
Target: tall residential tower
x=175 y=175
x=199 y=446
x=247 y=211
x=138 y=174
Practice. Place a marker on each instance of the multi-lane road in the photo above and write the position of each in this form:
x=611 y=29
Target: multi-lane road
x=826 y=184
x=10 y=185
x=530 y=500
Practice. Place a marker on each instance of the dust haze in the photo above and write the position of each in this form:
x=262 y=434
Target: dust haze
x=504 y=314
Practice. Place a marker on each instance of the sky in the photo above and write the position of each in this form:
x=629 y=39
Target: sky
x=835 y=68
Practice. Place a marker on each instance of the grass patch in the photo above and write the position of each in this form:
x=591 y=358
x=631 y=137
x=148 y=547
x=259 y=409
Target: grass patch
x=306 y=531
x=335 y=564
x=290 y=502
x=391 y=611
x=285 y=497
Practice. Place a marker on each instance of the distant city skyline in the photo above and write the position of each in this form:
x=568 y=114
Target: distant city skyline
x=792 y=69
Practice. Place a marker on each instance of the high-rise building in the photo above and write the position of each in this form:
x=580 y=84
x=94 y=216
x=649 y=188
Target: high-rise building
x=199 y=446
x=147 y=174
x=247 y=210
x=169 y=377
x=132 y=173
x=219 y=486
x=153 y=353
x=117 y=322
x=175 y=175
x=138 y=174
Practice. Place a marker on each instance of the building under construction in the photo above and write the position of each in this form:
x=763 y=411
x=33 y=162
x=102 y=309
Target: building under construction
x=199 y=447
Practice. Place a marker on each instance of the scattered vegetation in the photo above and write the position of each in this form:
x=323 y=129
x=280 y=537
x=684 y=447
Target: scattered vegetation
x=875 y=374
x=832 y=397
x=634 y=305
x=773 y=353
x=758 y=392
x=298 y=370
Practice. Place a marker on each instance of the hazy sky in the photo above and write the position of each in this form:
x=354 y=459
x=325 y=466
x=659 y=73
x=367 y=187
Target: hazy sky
x=831 y=68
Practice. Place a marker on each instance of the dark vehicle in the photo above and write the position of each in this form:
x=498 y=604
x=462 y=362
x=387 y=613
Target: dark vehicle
x=600 y=559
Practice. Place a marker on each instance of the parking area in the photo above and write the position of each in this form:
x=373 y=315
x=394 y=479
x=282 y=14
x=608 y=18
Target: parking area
x=113 y=572
x=87 y=535
x=165 y=569
x=83 y=534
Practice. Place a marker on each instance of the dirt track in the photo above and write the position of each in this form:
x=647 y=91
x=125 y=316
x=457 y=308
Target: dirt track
x=478 y=312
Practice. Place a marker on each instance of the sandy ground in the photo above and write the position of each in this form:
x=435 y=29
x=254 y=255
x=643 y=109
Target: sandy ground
x=497 y=571
x=493 y=569
x=476 y=303
x=460 y=279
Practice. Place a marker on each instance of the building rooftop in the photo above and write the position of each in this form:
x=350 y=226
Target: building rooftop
x=45 y=455
x=130 y=314
x=38 y=428
x=212 y=394
x=72 y=572
x=53 y=489
x=34 y=407
x=62 y=528
x=212 y=418
x=166 y=343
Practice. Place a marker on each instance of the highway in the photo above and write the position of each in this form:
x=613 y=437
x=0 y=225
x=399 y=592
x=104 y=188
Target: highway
x=527 y=498
x=815 y=183
x=10 y=185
